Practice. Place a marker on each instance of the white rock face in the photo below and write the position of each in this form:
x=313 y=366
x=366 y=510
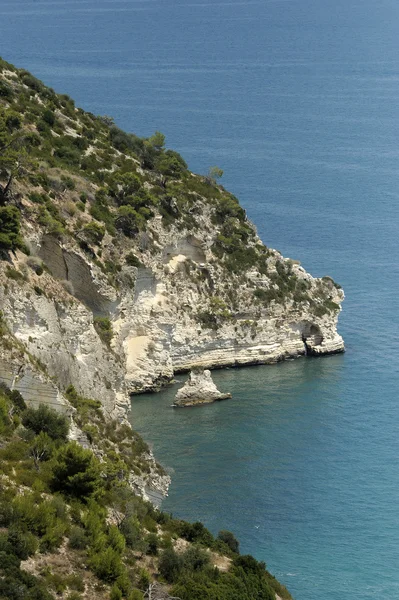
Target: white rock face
x=58 y=330
x=183 y=310
x=199 y=389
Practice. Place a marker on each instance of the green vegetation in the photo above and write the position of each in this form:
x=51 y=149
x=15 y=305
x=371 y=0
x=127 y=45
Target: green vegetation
x=76 y=473
x=43 y=419
x=229 y=538
x=194 y=577
x=86 y=177
x=132 y=260
x=14 y=274
x=10 y=238
x=55 y=493
x=216 y=314
x=215 y=173
x=103 y=327
x=94 y=232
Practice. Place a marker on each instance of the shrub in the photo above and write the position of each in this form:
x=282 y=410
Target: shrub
x=43 y=128
x=116 y=539
x=75 y=582
x=135 y=595
x=68 y=182
x=36 y=264
x=14 y=274
x=131 y=530
x=241 y=260
x=10 y=238
x=14 y=395
x=124 y=186
x=116 y=593
x=107 y=565
x=129 y=221
x=3 y=325
x=41 y=449
x=48 y=117
x=133 y=261
x=32 y=82
x=37 y=198
x=76 y=472
x=228 y=538
x=171 y=164
x=94 y=232
x=68 y=154
x=5 y=91
x=100 y=211
x=170 y=565
x=82 y=404
x=249 y=565
x=332 y=306
x=33 y=514
x=22 y=544
x=13 y=121
x=48 y=217
x=103 y=327
x=47 y=420
x=196 y=532
x=78 y=539
x=195 y=558
x=153 y=543
x=124 y=584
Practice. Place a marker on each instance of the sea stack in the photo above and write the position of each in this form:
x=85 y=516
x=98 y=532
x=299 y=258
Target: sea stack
x=199 y=389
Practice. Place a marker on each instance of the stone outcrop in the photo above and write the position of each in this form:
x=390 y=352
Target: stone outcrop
x=157 y=316
x=58 y=331
x=199 y=389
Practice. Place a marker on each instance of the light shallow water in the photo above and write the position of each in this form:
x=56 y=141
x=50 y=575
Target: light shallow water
x=298 y=102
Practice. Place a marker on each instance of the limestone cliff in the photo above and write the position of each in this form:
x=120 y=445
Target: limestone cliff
x=138 y=269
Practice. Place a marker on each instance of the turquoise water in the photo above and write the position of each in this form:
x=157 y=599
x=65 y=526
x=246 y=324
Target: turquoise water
x=297 y=100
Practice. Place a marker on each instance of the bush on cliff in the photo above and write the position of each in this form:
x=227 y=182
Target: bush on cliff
x=10 y=238
x=76 y=472
x=44 y=419
x=229 y=538
x=103 y=326
x=170 y=565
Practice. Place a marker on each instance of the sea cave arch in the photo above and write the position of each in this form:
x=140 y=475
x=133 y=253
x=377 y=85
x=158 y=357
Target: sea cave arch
x=311 y=336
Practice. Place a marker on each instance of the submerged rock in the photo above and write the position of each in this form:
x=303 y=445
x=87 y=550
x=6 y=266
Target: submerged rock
x=199 y=389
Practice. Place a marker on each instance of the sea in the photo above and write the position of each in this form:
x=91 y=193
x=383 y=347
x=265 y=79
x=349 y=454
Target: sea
x=298 y=102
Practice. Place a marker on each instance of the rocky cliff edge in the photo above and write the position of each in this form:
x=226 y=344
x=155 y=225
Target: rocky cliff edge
x=133 y=268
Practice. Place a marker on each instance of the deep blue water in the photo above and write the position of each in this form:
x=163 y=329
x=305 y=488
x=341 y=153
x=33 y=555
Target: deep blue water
x=297 y=100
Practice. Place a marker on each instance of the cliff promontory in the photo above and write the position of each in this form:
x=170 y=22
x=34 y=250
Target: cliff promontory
x=121 y=267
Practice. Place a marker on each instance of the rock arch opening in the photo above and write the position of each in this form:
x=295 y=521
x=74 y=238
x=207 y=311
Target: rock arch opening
x=311 y=337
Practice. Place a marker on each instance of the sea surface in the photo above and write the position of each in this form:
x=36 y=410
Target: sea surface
x=298 y=102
